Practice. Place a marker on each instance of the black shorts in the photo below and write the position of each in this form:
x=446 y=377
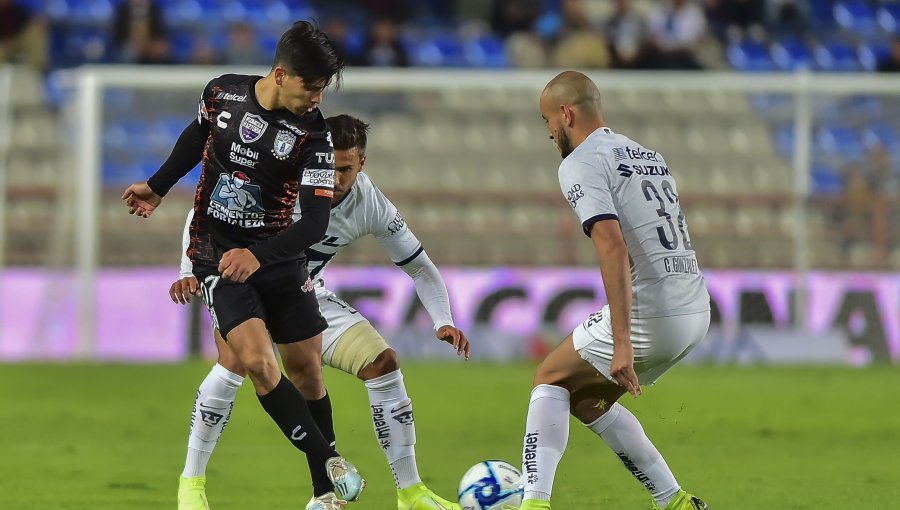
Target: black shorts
x=282 y=296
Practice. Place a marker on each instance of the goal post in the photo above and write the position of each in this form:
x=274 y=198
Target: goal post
x=89 y=85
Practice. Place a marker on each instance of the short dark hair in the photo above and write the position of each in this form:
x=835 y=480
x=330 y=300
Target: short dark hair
x=306 y=51
x=347 y=132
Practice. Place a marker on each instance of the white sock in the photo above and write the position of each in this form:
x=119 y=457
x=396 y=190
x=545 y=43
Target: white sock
x=546 y=435
x=212 y=410
x=395 y=428
x=624 y=434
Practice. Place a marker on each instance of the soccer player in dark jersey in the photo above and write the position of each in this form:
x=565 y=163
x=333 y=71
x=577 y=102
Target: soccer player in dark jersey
x=265 y=147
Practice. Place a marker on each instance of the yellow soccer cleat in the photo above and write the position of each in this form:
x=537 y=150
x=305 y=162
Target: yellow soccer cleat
x=420 y=497
x=529 y=504
x=683 y=501
x=192 y=493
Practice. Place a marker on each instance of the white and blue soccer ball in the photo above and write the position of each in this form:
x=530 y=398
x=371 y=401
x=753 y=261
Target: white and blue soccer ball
x=490 y=484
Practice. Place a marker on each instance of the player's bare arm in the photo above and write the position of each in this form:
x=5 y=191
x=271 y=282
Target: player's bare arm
x=456 y=338
x=615 y=271
x=182 y=290
x=141 y=200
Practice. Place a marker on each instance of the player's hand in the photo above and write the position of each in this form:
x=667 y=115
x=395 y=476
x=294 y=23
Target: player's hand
x=238 y=264
x=622 y=369
x=141 y=200
x=182 y=290
x=456 y=338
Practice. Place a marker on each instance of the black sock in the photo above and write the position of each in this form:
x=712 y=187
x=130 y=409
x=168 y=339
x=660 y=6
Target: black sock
x=289 y=410
x=321 y=413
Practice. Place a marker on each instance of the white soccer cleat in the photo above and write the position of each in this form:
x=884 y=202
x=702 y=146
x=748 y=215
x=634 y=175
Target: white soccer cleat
x=327 y=501
x=348 y=483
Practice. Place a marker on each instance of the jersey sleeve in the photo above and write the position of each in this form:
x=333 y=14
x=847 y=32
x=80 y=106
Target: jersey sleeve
x=586 y=186
x=188 y=150
x=187 y=268
x=313 y=205
x=393 y=233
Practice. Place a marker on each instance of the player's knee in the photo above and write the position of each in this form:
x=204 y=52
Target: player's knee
x=263 y=368
x=548 y=374
x=230 y=361
x=385 y=363
x=309 y=381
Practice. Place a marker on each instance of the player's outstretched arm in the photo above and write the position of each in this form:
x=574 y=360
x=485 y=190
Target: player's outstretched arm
x=615 y=270
x=141 y=200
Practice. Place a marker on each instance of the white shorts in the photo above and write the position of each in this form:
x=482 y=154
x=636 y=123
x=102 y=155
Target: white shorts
x=340 y=316
x=658 y=343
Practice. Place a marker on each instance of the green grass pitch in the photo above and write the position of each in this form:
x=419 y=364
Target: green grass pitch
x=98 y=437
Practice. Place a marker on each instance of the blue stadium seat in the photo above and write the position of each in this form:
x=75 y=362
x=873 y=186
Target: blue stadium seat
x=182 y=44
x=836 y=56
x=825 y=180
x=882 y=134
x=791 y=53
x=821 y=14
x=439 y=51
x=750 y=56
x=487 y=51
x=870 y=54
x=856 y=16
x=184 y=12
x=784 y=140
x=840 y=141
x=889 y=17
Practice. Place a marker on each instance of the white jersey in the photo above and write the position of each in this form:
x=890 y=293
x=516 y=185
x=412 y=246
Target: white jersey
x=363 y=211
x=610 y=176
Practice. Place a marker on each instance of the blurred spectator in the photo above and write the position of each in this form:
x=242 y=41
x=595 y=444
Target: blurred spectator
x=578 y=44
x=676 y=30
x=139 y=33
x=383 y=48
x=526 y=50
x=397 y=11
x=512 y=16
x=787 y=17
x=243 y=47
x=204 y=54
x=733 y=20
x=857 y=211
x=625 y=31
x=23 y=37
x=339 y=32
x=891 y=63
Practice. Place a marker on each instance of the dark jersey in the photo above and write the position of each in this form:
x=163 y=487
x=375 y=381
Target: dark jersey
x=256 y=164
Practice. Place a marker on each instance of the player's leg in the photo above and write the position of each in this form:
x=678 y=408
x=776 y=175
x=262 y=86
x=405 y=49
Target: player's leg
x=302 y=363
x=659 y=344
x=211 y=412
x=296 y=325
x=362 y=351
x=547 y=422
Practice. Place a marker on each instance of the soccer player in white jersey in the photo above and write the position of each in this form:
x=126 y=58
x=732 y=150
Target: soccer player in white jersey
x=350 y=343
x=625 y=197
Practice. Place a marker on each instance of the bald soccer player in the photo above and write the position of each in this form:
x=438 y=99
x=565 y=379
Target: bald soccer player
x=625 y=197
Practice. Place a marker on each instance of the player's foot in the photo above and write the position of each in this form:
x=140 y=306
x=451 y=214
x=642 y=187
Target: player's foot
x=192 y=493
x=529 y=504
x=419 y=497
x=684 y=501
x=348 y=483
x=327 y=501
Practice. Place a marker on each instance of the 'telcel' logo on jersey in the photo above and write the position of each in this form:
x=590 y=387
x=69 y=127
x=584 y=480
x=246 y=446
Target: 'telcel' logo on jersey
x=621 y=153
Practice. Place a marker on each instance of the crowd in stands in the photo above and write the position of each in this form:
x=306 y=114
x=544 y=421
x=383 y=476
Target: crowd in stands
x=633 y=34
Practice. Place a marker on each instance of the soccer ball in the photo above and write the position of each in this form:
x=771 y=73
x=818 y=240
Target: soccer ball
x=490 y=484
